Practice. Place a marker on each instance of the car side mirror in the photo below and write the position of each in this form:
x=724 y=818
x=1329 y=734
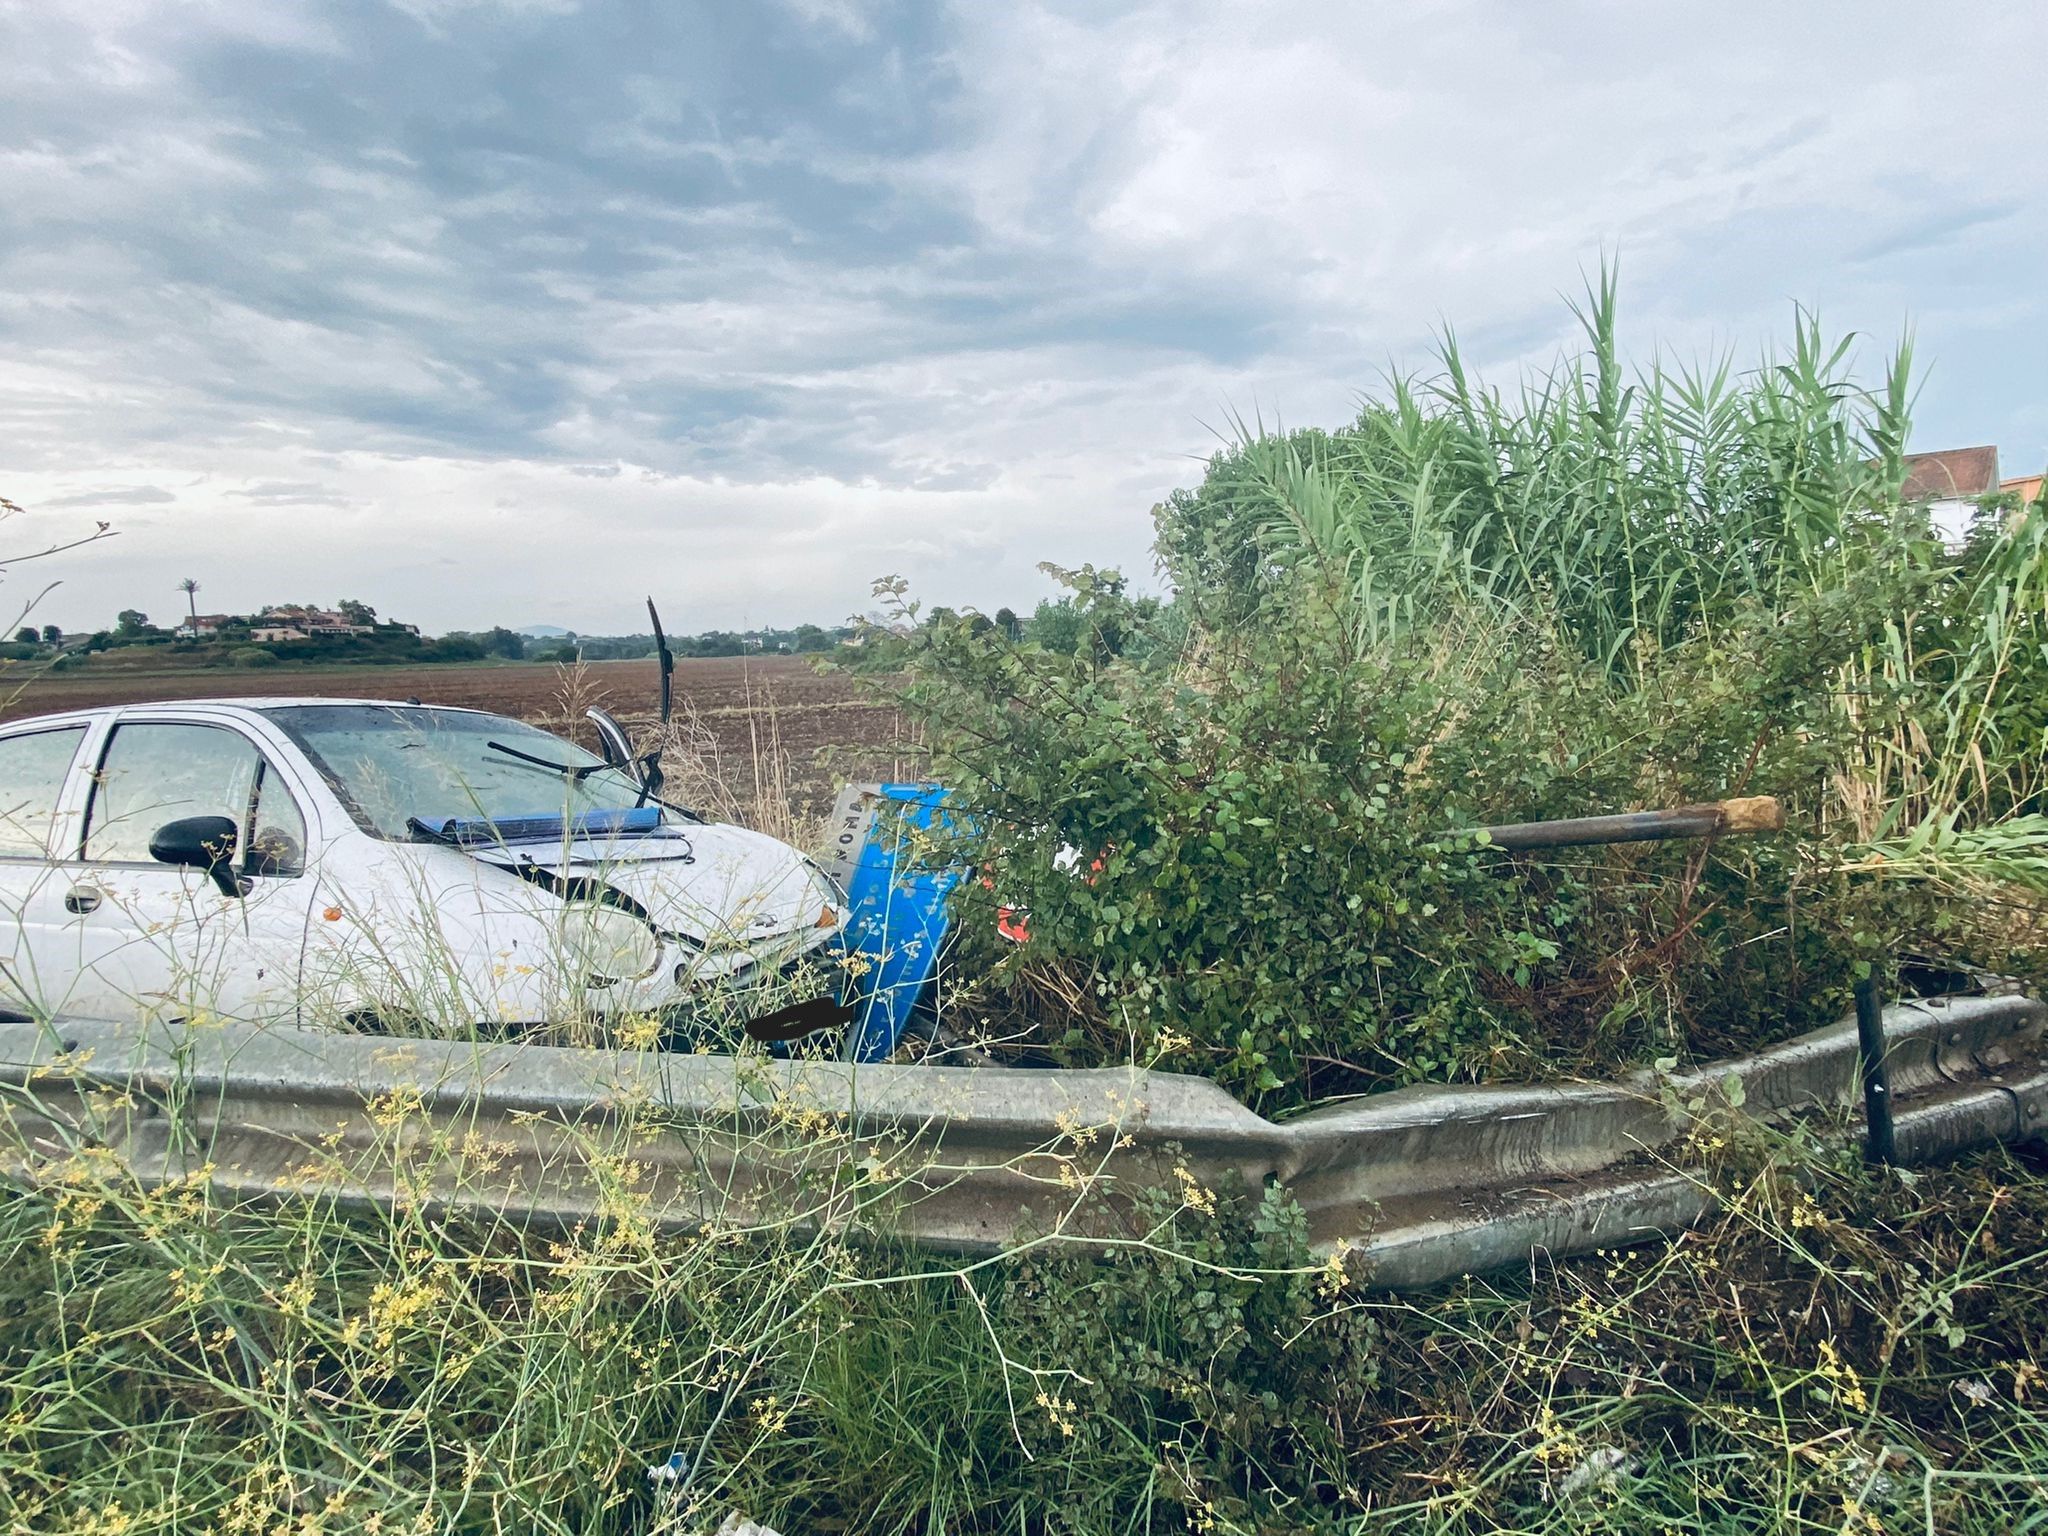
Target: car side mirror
x=613 y=743
x=201 y=842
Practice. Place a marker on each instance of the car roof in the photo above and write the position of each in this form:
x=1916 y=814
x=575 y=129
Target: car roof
x=244 y=704
x=288 y=700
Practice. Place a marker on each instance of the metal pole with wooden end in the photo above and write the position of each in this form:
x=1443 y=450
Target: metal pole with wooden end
x=1717 y=818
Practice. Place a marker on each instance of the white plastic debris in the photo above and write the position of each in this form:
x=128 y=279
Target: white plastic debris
x=1599 y=1468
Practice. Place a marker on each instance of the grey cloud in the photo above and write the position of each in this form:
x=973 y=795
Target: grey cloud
x=1939 y=225
x=113 y=496
x=289 y=493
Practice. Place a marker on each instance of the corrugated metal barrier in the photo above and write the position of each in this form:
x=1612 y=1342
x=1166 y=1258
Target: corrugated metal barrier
x=1416 y=1185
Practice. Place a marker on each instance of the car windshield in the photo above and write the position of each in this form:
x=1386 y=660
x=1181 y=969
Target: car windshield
x=400 y=767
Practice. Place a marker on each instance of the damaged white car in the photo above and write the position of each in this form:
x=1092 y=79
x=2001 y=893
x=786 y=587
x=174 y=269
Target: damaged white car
x=380 y=863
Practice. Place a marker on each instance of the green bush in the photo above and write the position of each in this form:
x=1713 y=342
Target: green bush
x=252 y=656
x=1275 y=882
x=1218 y=1342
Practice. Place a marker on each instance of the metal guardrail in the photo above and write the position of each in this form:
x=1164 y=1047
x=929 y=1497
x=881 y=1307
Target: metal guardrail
x=1418 y=1184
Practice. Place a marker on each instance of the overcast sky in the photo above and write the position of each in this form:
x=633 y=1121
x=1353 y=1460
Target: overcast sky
x=516 y=310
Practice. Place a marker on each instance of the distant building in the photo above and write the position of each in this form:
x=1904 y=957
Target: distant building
x=206 y=625
x=1950 y=482
x=289 y=622
x=316 y=622
x=2028 y=490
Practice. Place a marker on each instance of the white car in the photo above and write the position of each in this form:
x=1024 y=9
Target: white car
x=370 y=862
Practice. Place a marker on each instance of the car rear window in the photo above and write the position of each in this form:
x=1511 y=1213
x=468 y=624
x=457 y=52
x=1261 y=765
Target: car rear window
x=32 y=770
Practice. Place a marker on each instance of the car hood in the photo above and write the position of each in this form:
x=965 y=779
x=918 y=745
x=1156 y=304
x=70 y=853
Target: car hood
x=720 y=885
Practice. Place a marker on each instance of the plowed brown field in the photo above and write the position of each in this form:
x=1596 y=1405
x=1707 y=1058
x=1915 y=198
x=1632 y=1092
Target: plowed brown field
x=766 y=729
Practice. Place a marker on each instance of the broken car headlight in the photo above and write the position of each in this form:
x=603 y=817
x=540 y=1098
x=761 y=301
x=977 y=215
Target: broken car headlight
x=604 y=945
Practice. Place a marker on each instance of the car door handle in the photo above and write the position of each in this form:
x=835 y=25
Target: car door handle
x=81 y=899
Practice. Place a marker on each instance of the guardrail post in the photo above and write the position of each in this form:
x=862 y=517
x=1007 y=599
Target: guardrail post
x=1877 y=1085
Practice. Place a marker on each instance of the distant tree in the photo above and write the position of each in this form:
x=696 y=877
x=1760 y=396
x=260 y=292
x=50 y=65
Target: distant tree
x=453 y=648
x=809 y=637
x=52 y=635
x=500 y=641
x=27 y=635
x=713 y=642
x=353 y=612
x=191 y=590
x=1058 y=626
x=1008 y=622
x=130 y=621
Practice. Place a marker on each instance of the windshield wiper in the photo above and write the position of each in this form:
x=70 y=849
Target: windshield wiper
x=577 y=775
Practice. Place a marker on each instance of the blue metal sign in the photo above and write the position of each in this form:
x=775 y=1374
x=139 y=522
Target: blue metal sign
x=896 y=894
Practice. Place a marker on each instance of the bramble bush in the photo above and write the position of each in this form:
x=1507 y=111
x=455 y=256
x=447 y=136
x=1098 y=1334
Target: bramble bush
x=1278 y=873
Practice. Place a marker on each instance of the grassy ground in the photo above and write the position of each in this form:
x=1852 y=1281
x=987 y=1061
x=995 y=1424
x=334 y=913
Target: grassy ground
x=1839 y=1351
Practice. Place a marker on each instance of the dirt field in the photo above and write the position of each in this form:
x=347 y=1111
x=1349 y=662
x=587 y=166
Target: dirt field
x=768 y=733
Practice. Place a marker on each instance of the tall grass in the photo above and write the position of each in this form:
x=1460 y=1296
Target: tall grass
x=1633 y=508
x=1631 y=513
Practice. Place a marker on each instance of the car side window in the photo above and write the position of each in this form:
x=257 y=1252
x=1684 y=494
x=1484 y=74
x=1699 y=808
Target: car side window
x=155 y=772
x=277 y=836
x=32 y=770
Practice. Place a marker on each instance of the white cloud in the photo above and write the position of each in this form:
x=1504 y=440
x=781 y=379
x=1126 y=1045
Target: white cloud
x=436 y=15
x=1470 y=159
x=473 y=543
x=510 y=316
x=846 y=18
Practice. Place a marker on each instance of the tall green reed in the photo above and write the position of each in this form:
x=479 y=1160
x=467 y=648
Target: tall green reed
x=1635 y=507
x=1628 y=512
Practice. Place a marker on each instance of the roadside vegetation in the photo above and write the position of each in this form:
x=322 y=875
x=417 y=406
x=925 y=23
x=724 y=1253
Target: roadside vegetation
x=1604 y=591
x=1241 y=822
x=1838 y=1351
